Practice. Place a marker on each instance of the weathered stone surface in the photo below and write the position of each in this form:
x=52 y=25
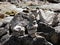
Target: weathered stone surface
x=47 y=16
x=8 y=8
x=53 y=7
x=48 y=32
x=2 y=32
x=18 y=19
x=27 y=40
x=1 y=23
x=13 y=41
x=57 y=29
x=8 y=19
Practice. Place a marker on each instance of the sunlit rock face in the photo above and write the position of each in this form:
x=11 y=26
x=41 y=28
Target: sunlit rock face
x=18 y=19
x=8 y=8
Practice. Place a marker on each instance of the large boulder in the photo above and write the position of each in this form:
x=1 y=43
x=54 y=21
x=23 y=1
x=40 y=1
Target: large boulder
x=48 y=32
x=47 y=16
x=20 y=20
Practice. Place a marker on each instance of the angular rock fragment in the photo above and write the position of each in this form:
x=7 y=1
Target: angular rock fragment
x=57 y=29
x=46 y=16
x=8 y=19
x=1 y=24
x=48 y=32
x=2 y=32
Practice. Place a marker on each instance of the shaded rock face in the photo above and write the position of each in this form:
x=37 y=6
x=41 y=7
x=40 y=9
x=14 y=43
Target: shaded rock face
x=54 y=1
x=3 y=25
x=48 y=32
x=12 y=41
x=26 y=40
x=1 y=0
x=52 y=35
x=44 y=28
x=2 y=32
x=57 y=29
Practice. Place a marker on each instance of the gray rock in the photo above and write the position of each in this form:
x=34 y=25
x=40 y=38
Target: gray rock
x=57 y=29
x=18 y=19
x=2 y=32
x=48 y=32
x=1 y=23
x=53 y=7
x=8 y=19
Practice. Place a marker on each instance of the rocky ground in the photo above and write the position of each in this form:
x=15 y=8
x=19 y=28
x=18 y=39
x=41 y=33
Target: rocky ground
x=12 y=15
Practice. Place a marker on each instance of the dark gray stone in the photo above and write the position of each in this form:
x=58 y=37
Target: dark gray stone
x=2 y=32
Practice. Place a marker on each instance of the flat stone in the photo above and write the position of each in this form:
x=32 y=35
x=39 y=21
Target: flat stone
x=8 y=19
x=2 y=31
